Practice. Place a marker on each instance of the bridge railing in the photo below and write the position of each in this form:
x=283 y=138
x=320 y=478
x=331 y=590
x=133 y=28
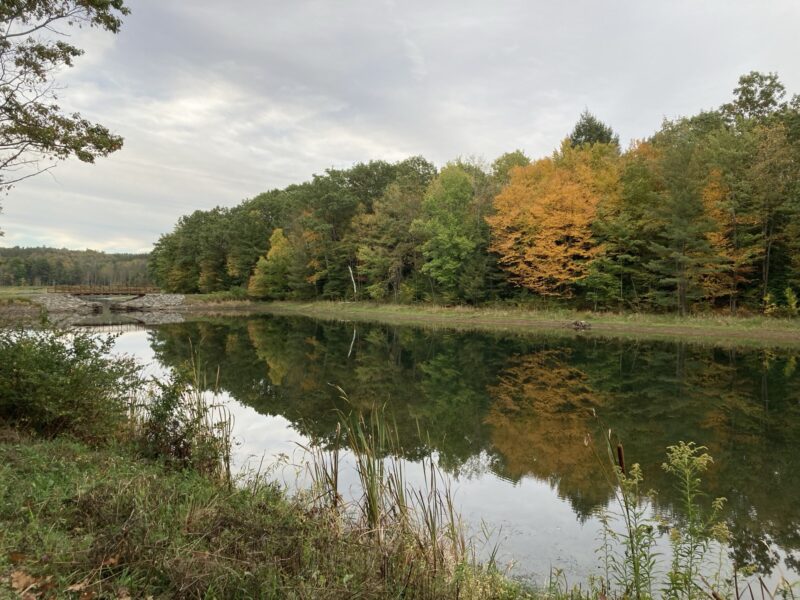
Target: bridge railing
x=102 y=290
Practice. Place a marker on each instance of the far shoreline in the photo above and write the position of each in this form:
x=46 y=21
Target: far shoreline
x=19 y=307
x=702 y=329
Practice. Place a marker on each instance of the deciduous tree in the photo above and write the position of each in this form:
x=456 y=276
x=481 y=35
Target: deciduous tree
x=270 y=277
x=542 y=226
x=33 y=47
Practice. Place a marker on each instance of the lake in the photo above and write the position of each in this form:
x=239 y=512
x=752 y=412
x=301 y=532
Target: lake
x=517 y=421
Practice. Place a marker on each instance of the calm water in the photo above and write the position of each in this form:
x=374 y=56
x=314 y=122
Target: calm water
x=507 y=418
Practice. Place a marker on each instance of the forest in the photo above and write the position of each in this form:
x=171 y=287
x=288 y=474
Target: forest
x=46 y=266
x=702 y=215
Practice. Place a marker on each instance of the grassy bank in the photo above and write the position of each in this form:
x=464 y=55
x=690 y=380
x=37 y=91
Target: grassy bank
x=16 y=292
x=753 y=330
x=86 y=522
x=714 y=329
x=16 y=305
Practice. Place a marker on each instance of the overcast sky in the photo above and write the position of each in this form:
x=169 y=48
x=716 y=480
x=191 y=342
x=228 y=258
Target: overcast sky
x=219 y=101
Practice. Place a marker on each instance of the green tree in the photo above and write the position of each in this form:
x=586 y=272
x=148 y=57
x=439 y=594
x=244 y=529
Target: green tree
x=591 y=130
x=682 y=249
x=250 y=226
x=758 y=96
x=33 y=127
x=728 y=153
x=451 y=231
x=503 y=165
x=775 y=180
x=388 y=249
x=625 y=228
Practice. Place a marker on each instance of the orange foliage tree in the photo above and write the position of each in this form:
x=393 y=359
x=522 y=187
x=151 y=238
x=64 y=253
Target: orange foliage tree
x=542 y=224
x=734 y=266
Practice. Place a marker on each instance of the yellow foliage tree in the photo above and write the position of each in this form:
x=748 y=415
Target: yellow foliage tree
x=542 y=224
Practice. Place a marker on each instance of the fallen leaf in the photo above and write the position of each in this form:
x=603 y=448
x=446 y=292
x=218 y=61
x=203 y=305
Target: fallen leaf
x=21 y=581
x=16 y=557
x=78 y=587
x=110 y=561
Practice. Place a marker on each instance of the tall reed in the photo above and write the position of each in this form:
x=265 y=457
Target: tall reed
x=416 y=531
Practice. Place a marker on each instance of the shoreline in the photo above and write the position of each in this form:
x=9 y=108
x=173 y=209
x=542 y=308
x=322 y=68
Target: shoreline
x=760 y=331
x=721 y=330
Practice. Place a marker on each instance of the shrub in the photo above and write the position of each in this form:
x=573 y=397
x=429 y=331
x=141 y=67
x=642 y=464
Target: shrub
x=55 y=382
x=176 y=424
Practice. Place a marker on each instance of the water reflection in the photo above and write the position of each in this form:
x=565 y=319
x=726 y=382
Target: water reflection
x=519 y=407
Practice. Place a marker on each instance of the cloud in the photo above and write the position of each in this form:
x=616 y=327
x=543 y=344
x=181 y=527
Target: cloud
x=218 y=102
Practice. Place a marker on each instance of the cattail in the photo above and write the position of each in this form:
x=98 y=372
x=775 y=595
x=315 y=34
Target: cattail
x=621 y=458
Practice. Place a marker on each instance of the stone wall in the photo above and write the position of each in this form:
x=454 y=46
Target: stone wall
x=62 y=303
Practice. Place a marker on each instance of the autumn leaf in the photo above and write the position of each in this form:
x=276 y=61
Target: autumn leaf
x=111 y=561
x=21 y=581
x=79 y=587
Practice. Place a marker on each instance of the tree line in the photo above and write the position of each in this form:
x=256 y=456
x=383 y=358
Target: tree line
x=45 y=266
x=703 y=214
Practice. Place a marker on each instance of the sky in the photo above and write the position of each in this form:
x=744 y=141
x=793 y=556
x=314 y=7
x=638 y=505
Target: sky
x=220 y=101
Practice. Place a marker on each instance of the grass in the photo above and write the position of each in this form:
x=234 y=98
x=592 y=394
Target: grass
x=234 y=296
x=18 y=295
x=707 y=328
x=717 y=329
x=106 y=523
x=19 y=292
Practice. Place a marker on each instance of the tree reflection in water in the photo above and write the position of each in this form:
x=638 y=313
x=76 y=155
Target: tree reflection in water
x=522 y=406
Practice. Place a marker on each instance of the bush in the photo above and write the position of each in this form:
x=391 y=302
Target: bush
x=56 y=382
x=178 y=425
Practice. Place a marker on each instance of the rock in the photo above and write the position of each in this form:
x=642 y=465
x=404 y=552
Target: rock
x=64 y=303
x=150 y=303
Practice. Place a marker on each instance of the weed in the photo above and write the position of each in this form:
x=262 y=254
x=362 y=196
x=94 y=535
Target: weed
x=692 y=533
x=628 y=555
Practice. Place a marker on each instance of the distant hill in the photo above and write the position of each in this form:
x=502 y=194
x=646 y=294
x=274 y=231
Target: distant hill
x=45 y=266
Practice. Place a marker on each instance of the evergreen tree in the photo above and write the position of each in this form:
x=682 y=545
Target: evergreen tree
x=591 y=130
